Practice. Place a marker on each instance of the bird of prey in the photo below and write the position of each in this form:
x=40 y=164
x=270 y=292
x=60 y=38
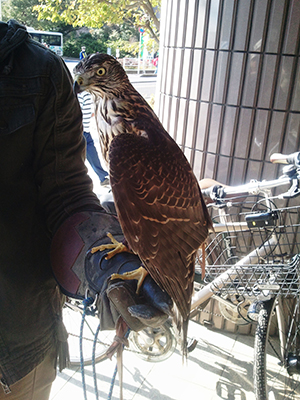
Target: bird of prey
x=157 y=197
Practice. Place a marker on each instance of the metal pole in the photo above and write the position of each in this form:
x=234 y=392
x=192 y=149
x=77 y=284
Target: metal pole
x=140 y=46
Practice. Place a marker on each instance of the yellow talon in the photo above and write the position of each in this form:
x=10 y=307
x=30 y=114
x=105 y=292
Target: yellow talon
x=138 y=274
x=115 y=245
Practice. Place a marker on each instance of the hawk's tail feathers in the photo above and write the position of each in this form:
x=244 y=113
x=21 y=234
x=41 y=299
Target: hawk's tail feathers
x=181 y=329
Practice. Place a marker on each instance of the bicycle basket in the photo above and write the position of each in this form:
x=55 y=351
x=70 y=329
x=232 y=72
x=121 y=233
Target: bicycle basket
x=255 y=251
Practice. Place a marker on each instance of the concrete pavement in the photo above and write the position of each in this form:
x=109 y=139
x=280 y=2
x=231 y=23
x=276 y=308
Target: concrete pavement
x=220 y=367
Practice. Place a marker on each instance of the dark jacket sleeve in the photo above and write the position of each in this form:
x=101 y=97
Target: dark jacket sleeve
x=64 y=186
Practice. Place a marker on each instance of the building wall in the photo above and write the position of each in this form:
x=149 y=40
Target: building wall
x=228 y=87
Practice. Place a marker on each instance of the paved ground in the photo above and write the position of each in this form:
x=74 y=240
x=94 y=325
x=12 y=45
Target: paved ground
x=220 y=367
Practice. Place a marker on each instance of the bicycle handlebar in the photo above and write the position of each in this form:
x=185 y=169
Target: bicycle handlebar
x=218 y=191
x=293 y=159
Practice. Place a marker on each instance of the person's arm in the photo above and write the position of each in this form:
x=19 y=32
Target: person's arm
x=60 y=172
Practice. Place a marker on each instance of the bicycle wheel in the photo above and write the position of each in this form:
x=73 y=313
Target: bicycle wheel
x=148 y=344
x=154 y=344
x=72 y=317
x=277 y=361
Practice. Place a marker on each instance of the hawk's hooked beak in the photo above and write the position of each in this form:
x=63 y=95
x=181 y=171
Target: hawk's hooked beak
x=76 y=88
x=77 y=85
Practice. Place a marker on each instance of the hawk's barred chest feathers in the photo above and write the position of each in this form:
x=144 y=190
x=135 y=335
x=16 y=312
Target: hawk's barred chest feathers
x=119 y=107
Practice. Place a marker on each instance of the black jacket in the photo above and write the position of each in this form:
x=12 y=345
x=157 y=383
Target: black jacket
x=43 y=180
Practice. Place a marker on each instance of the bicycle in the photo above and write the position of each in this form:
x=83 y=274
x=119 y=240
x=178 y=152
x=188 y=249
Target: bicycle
x=252 y=268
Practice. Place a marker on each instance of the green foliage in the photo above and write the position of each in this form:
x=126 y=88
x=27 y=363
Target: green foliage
x=96 y=13
x=126 y=49
x=125 y=38
x=22 y=11
x=72 y=45
x=115 y=24
x=99 y=40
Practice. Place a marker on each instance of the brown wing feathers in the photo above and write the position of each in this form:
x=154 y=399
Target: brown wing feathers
x=159 y=210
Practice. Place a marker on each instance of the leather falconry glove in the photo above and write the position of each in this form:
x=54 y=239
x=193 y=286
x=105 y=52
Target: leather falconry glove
x=81 y=273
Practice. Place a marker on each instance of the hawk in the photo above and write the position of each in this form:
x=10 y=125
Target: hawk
x=157 y=197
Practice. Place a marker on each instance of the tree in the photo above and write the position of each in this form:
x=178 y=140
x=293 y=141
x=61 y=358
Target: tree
x=123 y=36
x=22 y=11
x=98 y=40
x=96 y=13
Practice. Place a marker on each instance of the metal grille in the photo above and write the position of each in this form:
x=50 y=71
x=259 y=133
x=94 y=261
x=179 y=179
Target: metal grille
x=229 y=84
x=260 y=247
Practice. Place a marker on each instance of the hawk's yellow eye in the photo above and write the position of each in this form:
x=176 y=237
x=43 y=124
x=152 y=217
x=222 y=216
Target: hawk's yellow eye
x=101 y=71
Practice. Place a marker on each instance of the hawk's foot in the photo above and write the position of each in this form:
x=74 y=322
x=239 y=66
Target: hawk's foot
x=138 y=274
x=115 y=245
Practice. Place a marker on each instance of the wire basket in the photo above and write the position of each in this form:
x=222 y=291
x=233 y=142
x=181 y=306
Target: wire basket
x=255 y=250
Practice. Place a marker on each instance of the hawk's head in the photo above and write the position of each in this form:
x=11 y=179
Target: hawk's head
x=100 y=74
